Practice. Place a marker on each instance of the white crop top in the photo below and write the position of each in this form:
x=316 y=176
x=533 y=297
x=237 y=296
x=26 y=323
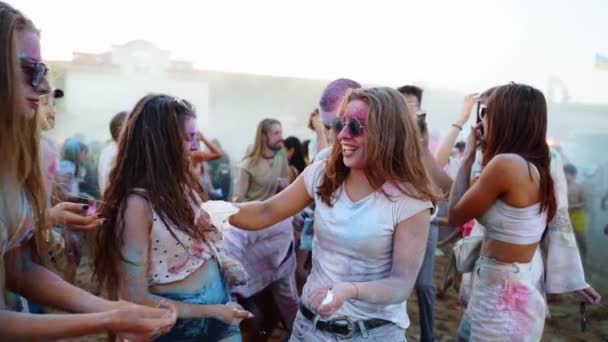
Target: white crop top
x=522 y=226
x=514 y=225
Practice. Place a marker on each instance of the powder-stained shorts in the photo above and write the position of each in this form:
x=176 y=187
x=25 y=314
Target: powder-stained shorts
x=505 y=303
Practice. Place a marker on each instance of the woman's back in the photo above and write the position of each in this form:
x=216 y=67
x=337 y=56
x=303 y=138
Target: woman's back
x=516 y=216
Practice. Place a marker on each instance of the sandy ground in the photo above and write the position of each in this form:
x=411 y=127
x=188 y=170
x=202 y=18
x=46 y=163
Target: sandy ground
x=564 y=324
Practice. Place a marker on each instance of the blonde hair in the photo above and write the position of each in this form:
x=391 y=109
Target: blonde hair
x=393 y=148
x=19 y=135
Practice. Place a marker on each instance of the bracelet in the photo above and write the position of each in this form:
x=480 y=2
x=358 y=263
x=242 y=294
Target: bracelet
x=356 y=290
x=459 y=127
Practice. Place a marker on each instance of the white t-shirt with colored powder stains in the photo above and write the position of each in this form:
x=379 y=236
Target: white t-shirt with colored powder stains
x=354 y=243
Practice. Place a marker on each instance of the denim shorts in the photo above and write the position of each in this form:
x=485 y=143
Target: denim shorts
x=202 y=329
x=304 y=331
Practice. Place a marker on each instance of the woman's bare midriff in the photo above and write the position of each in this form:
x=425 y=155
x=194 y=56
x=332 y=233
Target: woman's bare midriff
x=508 y=252
x=191 y=284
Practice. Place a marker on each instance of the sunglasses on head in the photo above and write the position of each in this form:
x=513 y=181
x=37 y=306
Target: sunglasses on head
x=36 y=71
x=354 y=126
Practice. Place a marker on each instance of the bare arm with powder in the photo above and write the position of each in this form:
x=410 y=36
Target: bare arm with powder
x=24 y=276
x=260 y=215
x=134 y=281
x=409 y=245
x=214 y=152
x=436 y=173
x=442 y=155
x=35 y=282
x=127 y=322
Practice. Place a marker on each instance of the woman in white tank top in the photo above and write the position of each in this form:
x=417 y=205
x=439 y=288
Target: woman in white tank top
x=514 y=199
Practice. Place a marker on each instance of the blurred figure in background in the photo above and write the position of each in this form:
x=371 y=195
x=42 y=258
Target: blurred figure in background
x=221 y=173
x=199 y=159
x=306 y=150
x=268 y=255
x=71 y=170
x=295 y=156
x=108 y=153
x=90 y=182
x=576 y=208
x=49 y=153
x=425 y=286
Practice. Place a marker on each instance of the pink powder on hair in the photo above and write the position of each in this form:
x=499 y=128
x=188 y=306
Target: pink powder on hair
x=334 y=93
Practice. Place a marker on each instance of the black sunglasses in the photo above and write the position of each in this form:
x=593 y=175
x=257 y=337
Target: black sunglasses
x=36 y=71
x=482 y=110
x=355 y=128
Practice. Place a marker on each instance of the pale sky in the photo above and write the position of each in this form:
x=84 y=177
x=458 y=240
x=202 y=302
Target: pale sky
x=464 y=45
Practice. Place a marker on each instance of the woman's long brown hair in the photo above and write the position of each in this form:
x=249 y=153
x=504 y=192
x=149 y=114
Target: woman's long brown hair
x=517 y=123
x=151 y=156
x=393 y=148
x=19 y=135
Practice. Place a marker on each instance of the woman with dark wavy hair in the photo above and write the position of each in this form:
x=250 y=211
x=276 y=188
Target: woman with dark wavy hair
x=514 y=199
x=372 y=210
x=157 y=243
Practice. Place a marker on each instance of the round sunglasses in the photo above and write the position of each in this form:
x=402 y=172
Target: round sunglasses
x=36 y=71
x=481 y=111
x=354 y=126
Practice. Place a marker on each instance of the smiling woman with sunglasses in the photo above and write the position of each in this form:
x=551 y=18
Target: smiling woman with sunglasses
x=372 y=209
x=24 y=228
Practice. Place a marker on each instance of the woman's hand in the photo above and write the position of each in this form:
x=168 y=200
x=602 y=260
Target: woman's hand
x=234 y=272
x=473 y=142
x=73 y=216
x=467 y=109
x=341 y=293
x=231 y=313
x=590 y=295
x=200 y=136
x=135 y=322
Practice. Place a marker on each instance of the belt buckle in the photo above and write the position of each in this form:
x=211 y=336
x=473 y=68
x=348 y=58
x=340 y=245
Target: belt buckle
x=350 y=326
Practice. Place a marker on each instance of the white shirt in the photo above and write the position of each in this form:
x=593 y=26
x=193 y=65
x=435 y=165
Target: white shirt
x=353 y=242
x=106 y=162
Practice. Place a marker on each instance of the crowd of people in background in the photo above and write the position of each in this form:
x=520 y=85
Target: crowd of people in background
x=332 y=233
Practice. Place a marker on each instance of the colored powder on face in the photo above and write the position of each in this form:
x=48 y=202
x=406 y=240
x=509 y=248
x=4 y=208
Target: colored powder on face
x=30 y=46
x=359 y=112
